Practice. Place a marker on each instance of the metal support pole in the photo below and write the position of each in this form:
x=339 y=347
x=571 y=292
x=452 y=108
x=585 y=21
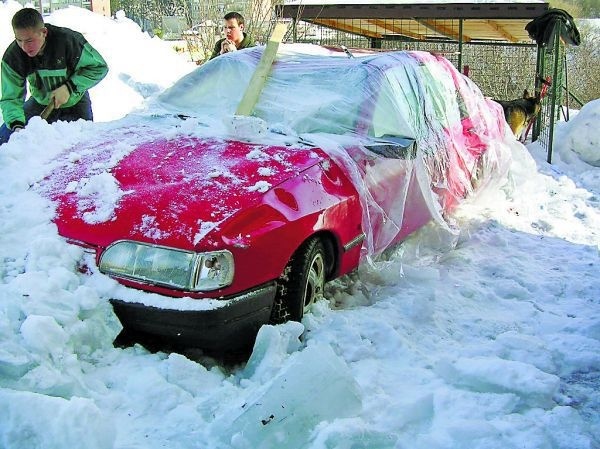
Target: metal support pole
x=460 y=43
x=540 y=75
x=375 y=42
x=555 y=87
x=566 y=86
x=294 y=30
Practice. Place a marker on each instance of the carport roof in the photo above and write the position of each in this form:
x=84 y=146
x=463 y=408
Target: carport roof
x=424 y=21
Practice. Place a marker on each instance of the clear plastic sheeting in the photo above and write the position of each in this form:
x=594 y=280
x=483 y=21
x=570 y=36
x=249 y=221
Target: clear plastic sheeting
x=413 y=134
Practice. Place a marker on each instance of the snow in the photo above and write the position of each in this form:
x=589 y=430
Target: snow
x=579 y=139
x=492 y=343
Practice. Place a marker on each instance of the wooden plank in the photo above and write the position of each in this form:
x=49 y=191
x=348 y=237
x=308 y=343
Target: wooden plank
x=261 y=73
x=501 y=31
x=440 y=27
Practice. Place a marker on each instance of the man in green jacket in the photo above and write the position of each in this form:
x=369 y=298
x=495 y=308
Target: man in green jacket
x=235 y=38
x=58 y=64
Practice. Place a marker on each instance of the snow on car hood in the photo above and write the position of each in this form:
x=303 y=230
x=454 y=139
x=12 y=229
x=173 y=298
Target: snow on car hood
x=165 y=190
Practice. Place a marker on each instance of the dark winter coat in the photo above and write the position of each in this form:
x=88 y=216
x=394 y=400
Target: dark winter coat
x=543 y=29
x=67 y=58
x=248 y=41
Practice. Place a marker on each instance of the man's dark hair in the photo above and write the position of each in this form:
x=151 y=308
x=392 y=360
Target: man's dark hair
x=27 y=18
x=234 y=15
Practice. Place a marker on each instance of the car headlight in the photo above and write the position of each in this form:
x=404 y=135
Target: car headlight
x=185 y=270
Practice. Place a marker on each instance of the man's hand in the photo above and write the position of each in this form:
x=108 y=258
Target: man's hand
x=227 y=46
x=60 y=96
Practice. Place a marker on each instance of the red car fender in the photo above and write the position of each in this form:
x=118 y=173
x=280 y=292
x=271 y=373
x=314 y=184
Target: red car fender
x=317 y=202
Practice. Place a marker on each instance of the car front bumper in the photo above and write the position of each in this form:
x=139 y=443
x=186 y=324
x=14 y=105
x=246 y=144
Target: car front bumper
x=230 y=327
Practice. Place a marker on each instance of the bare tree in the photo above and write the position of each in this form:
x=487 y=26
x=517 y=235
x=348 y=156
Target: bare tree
x=261 y=17
x=201 y=37
x=582 y=64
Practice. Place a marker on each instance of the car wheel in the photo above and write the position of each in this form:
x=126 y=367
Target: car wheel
x=301 y=283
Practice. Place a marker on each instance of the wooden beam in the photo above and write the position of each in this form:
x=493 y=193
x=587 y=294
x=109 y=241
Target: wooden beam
x=501 y=31
x=261 y=73
x=449 y=32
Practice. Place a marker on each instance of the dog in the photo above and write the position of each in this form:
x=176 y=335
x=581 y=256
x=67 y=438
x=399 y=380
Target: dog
x=519 y=112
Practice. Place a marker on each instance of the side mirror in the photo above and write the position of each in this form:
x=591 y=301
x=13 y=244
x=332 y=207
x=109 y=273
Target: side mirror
x=395 y=147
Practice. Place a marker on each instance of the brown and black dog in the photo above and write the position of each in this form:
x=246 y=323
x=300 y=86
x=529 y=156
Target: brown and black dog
x=518 y=112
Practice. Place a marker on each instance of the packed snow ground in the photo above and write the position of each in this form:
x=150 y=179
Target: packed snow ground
x=493 y=343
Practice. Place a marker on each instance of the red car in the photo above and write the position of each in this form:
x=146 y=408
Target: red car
x=240 y=221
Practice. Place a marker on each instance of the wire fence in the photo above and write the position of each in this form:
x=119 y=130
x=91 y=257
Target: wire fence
x=502 y=71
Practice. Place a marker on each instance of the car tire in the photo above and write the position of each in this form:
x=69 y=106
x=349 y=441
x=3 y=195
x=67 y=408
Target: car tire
x=301 y=283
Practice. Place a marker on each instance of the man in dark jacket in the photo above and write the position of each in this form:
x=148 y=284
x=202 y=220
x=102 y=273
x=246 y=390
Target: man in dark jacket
x=58 y=64
x=235 y=38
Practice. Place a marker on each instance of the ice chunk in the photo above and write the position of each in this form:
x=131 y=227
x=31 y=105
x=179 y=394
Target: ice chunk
x=526 y=348
x=467 y=430
x=185 y=373
x=490 y=374
x=272 y=346
x=353 y=433
x=568 y=428
x=43 y=334
x=15 y=361
x=575 y=353
x=32 y=420
x=315 y=386
x=245 y=127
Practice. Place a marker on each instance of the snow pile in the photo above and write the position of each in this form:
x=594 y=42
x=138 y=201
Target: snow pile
x=580 y=137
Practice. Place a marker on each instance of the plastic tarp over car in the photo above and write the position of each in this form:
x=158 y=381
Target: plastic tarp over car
x=403 y=120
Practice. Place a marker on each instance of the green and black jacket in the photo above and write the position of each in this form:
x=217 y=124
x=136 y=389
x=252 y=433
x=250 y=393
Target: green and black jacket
x=67 y=58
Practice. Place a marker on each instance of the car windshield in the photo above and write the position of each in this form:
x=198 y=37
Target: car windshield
x=309 y=93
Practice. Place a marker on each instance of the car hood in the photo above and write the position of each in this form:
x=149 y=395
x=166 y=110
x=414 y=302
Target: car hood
x=168 y=191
